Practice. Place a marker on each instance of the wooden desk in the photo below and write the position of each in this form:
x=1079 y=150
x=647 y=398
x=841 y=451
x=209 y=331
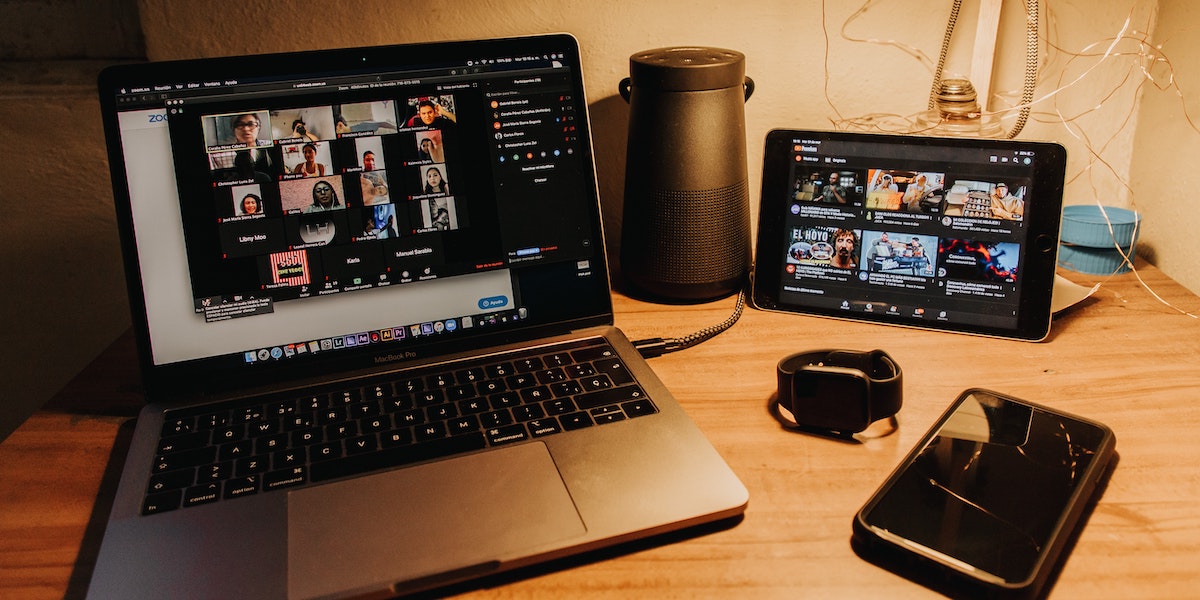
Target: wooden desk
x=1121 y=358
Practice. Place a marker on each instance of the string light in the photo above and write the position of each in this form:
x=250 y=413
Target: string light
x=1146 y=64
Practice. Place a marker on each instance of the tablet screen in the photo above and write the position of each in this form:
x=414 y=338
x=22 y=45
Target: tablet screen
x=943 y=233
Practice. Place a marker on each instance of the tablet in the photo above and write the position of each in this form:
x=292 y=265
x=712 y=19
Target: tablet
x=943 y=233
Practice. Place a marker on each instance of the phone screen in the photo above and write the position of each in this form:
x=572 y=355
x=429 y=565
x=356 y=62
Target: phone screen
x=990 y=487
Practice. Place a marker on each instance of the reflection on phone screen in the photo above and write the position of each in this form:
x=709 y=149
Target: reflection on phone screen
x=989 y=488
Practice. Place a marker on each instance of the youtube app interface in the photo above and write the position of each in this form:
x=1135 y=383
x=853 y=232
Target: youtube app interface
x=873 y=230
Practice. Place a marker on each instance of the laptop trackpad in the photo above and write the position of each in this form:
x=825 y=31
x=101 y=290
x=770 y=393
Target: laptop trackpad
x=453 y=515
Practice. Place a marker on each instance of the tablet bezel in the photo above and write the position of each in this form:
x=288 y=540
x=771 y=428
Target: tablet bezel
x=1042 y=217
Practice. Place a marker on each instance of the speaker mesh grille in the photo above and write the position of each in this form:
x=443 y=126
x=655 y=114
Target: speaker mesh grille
x=698 y=237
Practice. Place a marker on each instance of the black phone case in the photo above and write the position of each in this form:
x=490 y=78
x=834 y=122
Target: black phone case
x=941 y=575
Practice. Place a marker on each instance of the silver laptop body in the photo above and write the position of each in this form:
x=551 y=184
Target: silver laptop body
x=268 y=312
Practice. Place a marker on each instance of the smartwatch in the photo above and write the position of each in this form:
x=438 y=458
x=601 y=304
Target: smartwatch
x=839 y=390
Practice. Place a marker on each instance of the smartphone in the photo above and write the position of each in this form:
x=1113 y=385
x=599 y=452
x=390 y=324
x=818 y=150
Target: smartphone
x=987 y=501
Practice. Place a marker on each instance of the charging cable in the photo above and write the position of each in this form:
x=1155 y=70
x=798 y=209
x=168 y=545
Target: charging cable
x=652 y=347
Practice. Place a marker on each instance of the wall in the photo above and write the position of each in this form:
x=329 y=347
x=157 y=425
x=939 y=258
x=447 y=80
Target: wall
x=63 y=294
x=815 y=63
x=1164 y=167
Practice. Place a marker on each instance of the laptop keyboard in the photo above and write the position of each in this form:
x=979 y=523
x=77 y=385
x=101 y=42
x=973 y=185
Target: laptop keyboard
x=267 y=444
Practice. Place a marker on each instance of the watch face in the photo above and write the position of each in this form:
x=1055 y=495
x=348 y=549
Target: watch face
x=831 y=398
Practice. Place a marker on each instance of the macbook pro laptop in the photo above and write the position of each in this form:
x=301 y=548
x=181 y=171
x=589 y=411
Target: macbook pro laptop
x=374 y=324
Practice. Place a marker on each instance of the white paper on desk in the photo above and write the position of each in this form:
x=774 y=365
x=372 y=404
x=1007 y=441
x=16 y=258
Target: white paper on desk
x=1068 y=293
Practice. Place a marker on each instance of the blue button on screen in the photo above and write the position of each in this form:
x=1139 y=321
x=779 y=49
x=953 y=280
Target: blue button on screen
x=493 y=302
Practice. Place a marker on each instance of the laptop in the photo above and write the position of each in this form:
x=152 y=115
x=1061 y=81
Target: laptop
x=375 y=328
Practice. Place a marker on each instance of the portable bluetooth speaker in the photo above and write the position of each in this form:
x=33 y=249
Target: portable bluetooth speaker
x=686 y=224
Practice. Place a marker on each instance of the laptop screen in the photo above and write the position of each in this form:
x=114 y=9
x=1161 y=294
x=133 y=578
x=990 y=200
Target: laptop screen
x=369 y=204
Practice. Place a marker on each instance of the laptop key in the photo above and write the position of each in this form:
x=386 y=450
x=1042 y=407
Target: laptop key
x=473 y=406
x=380 y=391
x=579 y=371
x=559 y=406
x=398 y=403
x=171 y=480
x=504 y=400
x=470 y=375
x=430 y=431
x=638 y=408
x=430 y=397
x=365 y=409
x=187 y=441
x=313 y=402
x=242 y=486
x=593 y=353
x=213 y=421
x=607 y=414
x=507 y=435
x=414 y=384
x=410 y=417
x=577 y=420
x=307 y=436
x=178 y=426
x=325 y=451
x=596 y=382
x=186 y=458
x=528 y=412
x=526 y=365
x=397 y=456
x=346 y=397
x=162 y=502
x=566 y=388
x=496 y=418
x=261 y=428
x=361 y=444
x=376 y=424
x=201 y=494
x=544 y=427
x=461 y=425
x=229 y=433
x=615 y=370
x=499 y=370
x=442 y=412
x=535 y=394
x=521 y=380
x=558 y=359
x=235 y=450
x=440 y=380
x=214 y=472
x=276 y=480
x=250 y=465
x=270 y=444
x=399 y=437
x=281 y=408
x=491 y=386
x=341 y=431
x=287 y=459
x=249 y=414
x=609 y=396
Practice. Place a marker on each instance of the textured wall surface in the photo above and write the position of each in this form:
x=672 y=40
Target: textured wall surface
x=63 y=294
x=1164 y=166
x=69 y=29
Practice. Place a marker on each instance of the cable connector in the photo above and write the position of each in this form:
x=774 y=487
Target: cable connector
x=653 y=347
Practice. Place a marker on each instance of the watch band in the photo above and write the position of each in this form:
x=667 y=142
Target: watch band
x=840 y=390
